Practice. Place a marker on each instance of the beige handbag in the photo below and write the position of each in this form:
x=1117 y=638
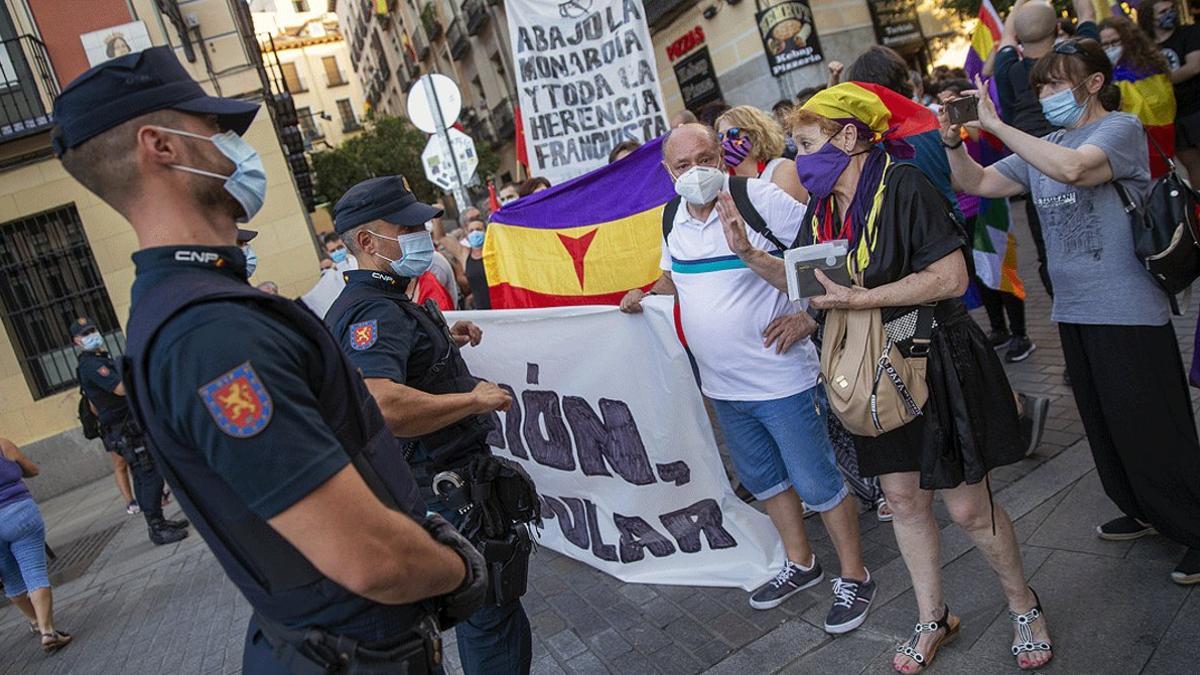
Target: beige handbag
x=872 y=387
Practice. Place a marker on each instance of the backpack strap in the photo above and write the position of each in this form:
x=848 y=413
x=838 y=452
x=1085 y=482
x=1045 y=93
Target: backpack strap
x=669 y=211
x=738 y=189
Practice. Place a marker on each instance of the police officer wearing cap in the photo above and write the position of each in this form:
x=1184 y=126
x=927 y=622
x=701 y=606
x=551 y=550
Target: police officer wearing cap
x=272 y=443
x=100 y=384
x=411 y=362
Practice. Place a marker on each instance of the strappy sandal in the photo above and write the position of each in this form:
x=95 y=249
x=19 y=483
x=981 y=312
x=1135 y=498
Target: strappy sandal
x=52 y=642
x=1025 y=633
x=909 y=649
x=33 y=628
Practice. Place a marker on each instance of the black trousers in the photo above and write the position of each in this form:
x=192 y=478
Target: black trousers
x=1133 y=398
x=999 y=304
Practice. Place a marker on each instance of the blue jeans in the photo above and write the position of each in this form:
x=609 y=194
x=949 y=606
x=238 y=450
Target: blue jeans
x=496 y=639
x=784 y=443
x=22 y=548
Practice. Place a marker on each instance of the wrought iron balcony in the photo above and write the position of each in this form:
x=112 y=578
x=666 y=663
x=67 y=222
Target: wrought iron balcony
x=458 y=40
x=27 y=87
x=477 y=16
x=420 y=44
x=502 y=121
x=429 y=17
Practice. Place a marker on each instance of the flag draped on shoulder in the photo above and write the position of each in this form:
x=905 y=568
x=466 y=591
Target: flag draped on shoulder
x=583 y=242
x=1150 y=96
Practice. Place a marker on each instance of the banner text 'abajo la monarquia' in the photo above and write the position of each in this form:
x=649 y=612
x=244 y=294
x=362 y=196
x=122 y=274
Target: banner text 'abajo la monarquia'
x=586 y=80
x=608 y=421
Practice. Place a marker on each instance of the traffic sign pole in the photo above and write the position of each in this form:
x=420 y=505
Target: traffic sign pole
x=460 y=192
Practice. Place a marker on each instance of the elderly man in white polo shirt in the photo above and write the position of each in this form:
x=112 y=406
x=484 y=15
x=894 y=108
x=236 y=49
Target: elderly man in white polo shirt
x=760 y=369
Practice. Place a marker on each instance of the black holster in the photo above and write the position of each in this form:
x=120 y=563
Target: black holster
x=127 y=440
x=508 y=564
x=315 y=651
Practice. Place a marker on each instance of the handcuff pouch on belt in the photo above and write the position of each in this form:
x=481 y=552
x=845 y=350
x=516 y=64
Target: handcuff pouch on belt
x=497 y=501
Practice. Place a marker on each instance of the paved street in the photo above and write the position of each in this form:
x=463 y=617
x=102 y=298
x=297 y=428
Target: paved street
x=1111 y=606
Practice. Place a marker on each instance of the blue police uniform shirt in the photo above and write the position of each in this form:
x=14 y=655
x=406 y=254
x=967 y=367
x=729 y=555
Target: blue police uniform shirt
x=98 y=377
x=208 y=341
x=291 y=450
x=378 y=337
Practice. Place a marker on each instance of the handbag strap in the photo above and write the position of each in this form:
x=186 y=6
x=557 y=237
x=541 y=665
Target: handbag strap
x=924 y=332
x=1158 y=148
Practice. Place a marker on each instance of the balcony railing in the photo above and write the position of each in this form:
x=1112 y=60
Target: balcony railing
x=420 y=44
x=429 y=17
x=476 y=15
x=458 y=40
x=27 y=87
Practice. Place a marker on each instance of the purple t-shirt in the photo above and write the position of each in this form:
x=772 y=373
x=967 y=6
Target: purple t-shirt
x=12 y=488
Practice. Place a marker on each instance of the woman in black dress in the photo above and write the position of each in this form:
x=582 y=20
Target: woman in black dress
x=907 y=245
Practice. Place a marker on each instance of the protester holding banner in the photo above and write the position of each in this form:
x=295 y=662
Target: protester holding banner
x=907 y=251
x=759 y=368
x=754 y=143
x=1115 y=321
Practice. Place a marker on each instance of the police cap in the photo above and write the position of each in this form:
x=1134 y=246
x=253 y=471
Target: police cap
x=245 y=236
x=81 y=325
x=129 y=86
x=383 y=198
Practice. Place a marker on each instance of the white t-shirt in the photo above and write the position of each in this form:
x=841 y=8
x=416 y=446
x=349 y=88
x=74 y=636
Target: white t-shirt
x=725 y=307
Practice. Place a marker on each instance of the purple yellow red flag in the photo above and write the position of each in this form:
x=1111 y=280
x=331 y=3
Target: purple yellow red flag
x=584 y=242
x=1151 y=97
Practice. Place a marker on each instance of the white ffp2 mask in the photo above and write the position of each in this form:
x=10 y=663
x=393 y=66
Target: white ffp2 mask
x=699 y=185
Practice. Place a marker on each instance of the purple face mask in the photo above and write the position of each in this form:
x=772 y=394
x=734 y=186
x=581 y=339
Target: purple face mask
x=736 y=150
x=819 y=171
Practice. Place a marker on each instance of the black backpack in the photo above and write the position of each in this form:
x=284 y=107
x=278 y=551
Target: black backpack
x=1165 y=236
x=87 y=418
x=741 y=197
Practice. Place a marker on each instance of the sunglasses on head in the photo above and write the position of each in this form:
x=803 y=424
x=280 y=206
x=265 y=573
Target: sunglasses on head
x=1068 y=47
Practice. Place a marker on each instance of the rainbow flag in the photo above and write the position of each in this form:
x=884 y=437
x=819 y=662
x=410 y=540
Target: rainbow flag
x=993 y=243
x=584 y=242
x=1150 y=97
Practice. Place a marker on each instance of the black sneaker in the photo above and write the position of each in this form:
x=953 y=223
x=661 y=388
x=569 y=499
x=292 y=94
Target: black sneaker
x=1187 y=572
x=851 y=602
x=791 y=580
x=999 y=338
x=1034 y=410
x=181 y=524
x=1019 y=349
x=1124 y=529
x=162 y=535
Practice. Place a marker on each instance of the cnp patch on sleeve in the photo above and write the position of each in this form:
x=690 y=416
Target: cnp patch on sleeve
x=238 y=402
x=363 y=334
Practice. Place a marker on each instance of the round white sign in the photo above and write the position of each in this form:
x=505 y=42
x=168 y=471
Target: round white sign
x=428 y=92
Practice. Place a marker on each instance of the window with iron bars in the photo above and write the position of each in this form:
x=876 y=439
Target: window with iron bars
x=48 y=279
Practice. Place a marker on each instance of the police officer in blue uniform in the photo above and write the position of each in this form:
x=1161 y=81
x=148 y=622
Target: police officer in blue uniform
x=269 y=438
x=411 y=362
x=101 y=386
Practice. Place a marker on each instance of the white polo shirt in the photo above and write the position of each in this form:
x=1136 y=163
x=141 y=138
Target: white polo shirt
x=725 y=307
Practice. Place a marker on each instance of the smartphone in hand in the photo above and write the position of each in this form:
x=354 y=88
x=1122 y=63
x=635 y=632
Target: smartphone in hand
x=963 y=110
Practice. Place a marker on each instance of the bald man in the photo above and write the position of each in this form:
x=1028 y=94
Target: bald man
x=1033 y=25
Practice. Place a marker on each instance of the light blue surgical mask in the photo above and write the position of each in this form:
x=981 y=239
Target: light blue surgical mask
x=1062 y=110
x=475 y=238
x=93 y=342
x=339 y=256
x=248 y=182
x=416 y=253
x=251 y=259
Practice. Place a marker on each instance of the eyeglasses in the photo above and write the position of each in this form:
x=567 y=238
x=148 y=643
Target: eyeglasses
x=732 y=133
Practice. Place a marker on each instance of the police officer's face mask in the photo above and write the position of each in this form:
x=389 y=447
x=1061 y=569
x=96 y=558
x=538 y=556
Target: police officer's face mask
x=251 y=259
x=416 y=253
x=248 y=182
x=92 y=341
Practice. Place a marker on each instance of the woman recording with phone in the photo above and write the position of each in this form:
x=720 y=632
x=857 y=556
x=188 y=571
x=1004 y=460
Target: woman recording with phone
x=1119 y=345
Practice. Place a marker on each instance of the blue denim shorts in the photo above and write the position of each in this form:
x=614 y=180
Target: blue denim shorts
x=784 y=443
x=22 y=548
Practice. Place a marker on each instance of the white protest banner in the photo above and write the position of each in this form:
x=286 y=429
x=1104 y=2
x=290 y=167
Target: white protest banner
x=608 y=421
x=586 y=81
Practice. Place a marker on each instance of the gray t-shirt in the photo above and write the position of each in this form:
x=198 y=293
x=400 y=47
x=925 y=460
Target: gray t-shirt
x=1097 y=277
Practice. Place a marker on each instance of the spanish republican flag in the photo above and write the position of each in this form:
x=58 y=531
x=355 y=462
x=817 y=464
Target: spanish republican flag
x=1150 y=97
x=584 y=242
x=983 y=39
